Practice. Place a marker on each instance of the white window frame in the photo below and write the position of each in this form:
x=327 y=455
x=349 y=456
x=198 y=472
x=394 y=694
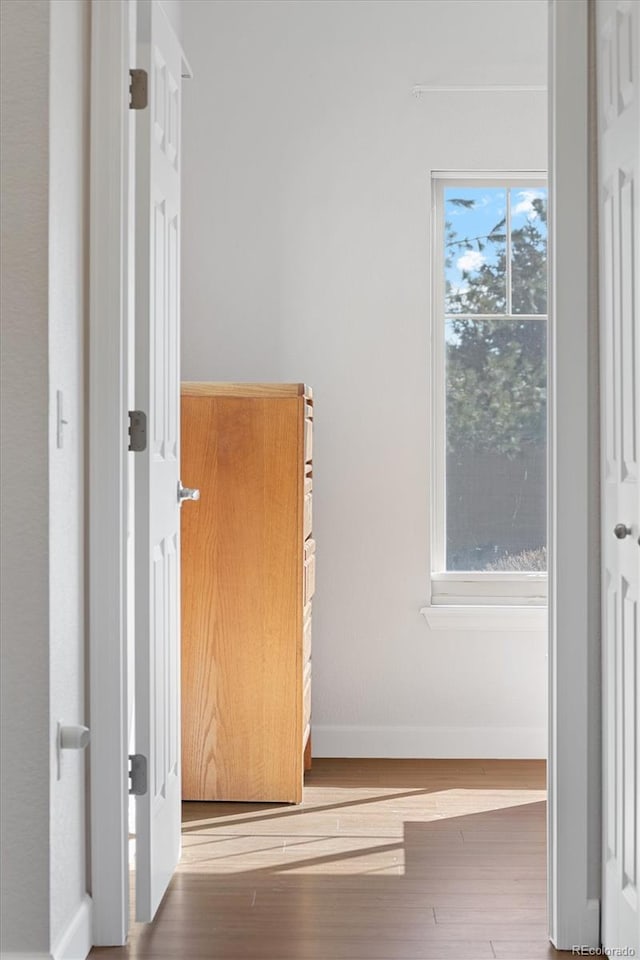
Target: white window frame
x=474 y=588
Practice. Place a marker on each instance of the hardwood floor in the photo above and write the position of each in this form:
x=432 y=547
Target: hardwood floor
x=384 y=860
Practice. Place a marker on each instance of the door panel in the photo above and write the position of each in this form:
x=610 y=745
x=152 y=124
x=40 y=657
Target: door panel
x=618 y=29
x=157 y=716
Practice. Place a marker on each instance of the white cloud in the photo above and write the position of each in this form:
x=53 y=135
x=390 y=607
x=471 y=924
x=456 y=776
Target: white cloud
x=526 y=204
x=471 y=260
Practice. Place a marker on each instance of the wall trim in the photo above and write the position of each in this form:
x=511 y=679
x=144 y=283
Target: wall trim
x=419 y=88
x=574 y=770
x=76 y=941
x=25 y=956
x=483 y=743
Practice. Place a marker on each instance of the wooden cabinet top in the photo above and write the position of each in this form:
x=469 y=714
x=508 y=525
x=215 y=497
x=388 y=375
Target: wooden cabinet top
x=279 y=390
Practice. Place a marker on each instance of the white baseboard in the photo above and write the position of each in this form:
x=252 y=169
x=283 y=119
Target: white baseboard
x=483 y=743
x=74 y=943
x=76 y=940
x=25 y=956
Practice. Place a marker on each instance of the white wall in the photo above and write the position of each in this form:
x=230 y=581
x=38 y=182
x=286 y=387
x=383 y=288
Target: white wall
x=24 y=807
x=306 y=257
x=45 y=910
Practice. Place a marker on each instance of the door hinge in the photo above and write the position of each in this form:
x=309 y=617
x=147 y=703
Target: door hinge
x=138 y=90
x=137 y=774
x=137 y=431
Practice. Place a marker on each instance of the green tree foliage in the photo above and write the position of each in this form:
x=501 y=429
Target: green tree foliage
x=529 y=264
x=496 y=368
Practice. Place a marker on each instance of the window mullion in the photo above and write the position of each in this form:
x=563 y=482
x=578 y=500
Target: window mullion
x=508 y=252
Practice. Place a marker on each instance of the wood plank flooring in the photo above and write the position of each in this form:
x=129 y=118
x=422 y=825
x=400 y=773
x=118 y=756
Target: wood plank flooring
x=384 y=860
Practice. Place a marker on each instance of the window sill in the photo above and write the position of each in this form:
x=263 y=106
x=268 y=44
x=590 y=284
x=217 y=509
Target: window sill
x=483 y=589
x=492 y=619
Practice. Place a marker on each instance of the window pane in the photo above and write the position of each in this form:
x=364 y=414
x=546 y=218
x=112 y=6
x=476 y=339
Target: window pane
x=529 y=250
x=496 y=444
x=475 y=250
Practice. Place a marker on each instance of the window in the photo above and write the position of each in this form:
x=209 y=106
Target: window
x=490 y=377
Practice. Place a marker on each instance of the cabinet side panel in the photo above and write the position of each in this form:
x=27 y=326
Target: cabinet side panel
x=240 y=599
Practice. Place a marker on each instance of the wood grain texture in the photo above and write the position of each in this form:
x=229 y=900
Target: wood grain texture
x=242 y=584
x=383 y=860
x=308 y=440
x=195 y=388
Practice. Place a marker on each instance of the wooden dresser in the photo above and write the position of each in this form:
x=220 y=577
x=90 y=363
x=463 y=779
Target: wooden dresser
x=248 y=575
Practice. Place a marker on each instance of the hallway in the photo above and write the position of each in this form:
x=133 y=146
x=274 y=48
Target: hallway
x=384 y=860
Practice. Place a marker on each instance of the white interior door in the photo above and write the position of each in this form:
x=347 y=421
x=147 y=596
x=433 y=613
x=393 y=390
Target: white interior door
x=157 y=519
x=618 y=31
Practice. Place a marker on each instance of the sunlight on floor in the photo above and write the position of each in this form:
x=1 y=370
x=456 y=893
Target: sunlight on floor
x=457 y=803
x=386 y=860
x=340 y=838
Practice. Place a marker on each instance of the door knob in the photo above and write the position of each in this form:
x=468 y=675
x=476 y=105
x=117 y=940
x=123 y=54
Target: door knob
x=187 y=493
x=621 y=530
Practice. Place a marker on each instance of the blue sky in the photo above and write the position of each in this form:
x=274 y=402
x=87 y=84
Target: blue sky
x=488 y=210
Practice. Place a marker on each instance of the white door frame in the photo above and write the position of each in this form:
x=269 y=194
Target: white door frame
x=574 y=695
x=574 y=771
x=108 y=469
